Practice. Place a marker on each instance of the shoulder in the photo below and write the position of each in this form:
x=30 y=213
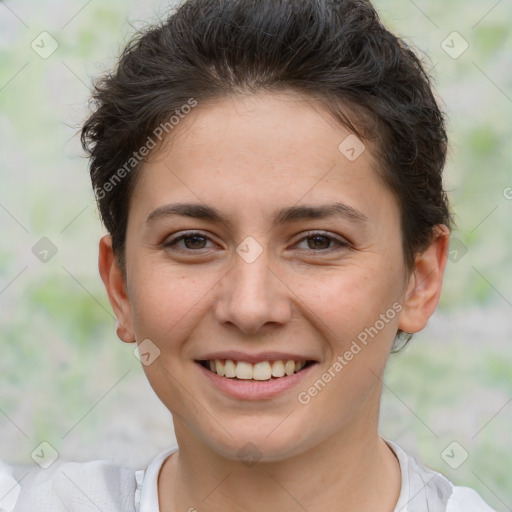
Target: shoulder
x=464 y=499
x=68 y=487
x=9 y=488
x=426 y=490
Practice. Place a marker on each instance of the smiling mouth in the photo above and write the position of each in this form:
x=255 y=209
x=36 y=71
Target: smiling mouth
x=262 y=371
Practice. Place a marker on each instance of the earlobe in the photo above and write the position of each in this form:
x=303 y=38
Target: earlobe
x=115 y=285
x=124 y=334
x=424 y=287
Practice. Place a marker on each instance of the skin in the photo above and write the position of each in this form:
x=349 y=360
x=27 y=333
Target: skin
x=248 y=156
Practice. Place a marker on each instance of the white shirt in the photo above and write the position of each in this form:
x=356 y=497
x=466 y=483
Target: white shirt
x=101 y=485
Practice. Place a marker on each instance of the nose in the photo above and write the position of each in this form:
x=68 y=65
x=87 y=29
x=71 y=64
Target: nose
x=252 y=295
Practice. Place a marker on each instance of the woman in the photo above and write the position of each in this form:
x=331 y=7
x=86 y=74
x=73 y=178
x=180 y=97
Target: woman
x=270 y=174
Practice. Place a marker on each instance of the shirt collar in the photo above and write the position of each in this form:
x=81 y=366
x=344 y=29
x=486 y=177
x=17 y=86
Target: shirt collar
x=146 y=492
x=422 y=489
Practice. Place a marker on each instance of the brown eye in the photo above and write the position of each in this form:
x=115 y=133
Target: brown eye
x=318 y=242
x=191 y=242
x=321 y=242
x=194 y=242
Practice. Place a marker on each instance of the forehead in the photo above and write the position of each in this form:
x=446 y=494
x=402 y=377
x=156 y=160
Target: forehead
x=267 y=126
x=262 y=151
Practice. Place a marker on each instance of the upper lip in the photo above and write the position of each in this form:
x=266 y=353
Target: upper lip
x=236 y=355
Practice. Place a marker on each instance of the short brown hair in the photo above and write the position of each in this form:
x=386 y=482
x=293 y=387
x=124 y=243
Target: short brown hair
x=336 y=51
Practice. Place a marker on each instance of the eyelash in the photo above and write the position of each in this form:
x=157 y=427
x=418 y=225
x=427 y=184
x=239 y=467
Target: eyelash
x=172 y=243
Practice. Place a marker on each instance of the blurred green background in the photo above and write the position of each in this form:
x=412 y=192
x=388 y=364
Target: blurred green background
x=67 y=380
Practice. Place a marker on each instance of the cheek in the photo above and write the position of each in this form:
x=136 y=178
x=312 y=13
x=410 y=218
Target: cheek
x=165 y=302
x=349 y=299
x=358 y=321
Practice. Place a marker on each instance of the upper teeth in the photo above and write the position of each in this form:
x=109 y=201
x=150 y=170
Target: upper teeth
x=263 y=370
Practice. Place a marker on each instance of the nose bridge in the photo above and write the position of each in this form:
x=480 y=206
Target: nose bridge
x=252 y=295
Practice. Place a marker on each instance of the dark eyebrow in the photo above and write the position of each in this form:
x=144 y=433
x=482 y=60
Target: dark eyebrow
x=294 y=213
x=286 y=215
x=196 y=211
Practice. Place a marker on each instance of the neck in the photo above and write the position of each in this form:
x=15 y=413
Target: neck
x=355 y=471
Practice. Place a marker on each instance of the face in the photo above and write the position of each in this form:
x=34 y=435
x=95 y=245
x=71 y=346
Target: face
x=283 y=248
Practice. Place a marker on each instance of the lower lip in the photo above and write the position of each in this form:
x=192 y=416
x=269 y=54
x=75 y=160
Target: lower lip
x=255 y=389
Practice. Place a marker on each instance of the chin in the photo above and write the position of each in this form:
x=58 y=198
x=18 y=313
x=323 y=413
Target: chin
x=259 y=443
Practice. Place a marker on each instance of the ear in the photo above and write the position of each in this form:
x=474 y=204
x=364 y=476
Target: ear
x=115 y=285
x=425 y=284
